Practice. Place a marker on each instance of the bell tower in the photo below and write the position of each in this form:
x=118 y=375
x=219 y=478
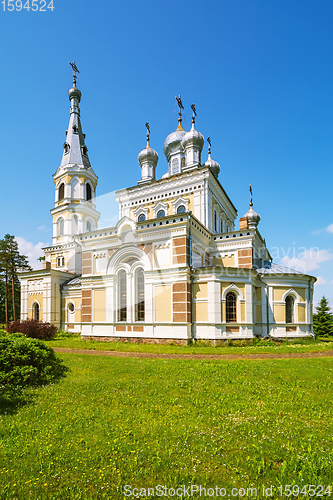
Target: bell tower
x=75 y=181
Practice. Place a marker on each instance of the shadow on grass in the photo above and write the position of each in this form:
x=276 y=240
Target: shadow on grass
x=10 y=404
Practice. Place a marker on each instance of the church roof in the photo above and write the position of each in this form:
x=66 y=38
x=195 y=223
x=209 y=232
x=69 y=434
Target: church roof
x=73 y=281
x=265 y=267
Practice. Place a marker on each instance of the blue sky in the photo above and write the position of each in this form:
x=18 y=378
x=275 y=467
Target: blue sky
x=259 y=71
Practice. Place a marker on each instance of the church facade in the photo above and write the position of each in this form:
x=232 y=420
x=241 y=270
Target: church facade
x=175 y=268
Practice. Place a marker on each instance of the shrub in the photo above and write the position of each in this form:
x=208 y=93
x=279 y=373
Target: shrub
x=33 y=329
x=26 y=362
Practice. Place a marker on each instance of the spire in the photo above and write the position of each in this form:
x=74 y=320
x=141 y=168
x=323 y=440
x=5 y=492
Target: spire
x=75 y=150
x=194 y=114
x=180 y=106
x=148 y=134
x=148 y=159
x=213 y=165
x=252 y=217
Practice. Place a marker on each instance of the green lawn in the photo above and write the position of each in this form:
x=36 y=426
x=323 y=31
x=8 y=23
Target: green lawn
x=301 y=345
x=142 y=422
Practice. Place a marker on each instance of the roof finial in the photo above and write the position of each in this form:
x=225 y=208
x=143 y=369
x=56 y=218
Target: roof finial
x=75 y=69
x=251 y=204
x=180 y=105
x=194 y=113
x=148 y=134
x=210 y=144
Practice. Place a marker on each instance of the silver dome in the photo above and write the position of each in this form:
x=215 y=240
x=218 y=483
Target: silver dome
x=213 y=165
x=253 y=218
x=193 y=137
x=74 y=92
x=173 y=142
x=148 y=154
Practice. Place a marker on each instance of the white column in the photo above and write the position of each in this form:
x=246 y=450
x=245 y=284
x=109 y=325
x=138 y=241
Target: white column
x=130 y=297
x=214 y=302
x=248 y=303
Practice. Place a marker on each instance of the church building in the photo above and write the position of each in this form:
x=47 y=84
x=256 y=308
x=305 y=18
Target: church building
x=175 y=268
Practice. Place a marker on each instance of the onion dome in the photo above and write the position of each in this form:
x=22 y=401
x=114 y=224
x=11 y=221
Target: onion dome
x=74 y=92
x=212 y=164
x=148 y=159
x=148 y=154
x=172 y=143
x=252 y=217
x=193 y=137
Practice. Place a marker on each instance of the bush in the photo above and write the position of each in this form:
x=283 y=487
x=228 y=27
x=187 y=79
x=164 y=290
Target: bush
x=33 y=329
x=26 y=362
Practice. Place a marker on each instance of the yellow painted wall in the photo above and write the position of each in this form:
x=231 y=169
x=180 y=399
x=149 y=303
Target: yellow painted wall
x=224 y=285
x=301 y=293
x=77 y=303
x=169 y=202
x=217 y=261
x=258 y=294
x=242 y=311
x=223 y=312
x=36 y=297
x=278 y=293
x=229 y=261
x=163 y=304
x=200 y=311
x=258 y=314
x=279 y=312
x=200 y=290
x=301 y=313
x=99 y=305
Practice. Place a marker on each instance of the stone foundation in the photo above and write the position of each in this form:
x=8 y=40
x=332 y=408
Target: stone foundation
x=138 y=340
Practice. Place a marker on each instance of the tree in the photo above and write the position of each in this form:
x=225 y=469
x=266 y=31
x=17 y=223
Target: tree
x=11 y=263
x=323 y=319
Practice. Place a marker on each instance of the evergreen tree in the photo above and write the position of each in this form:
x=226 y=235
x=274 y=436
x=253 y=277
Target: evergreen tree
x=323 y=319
x=11 y=263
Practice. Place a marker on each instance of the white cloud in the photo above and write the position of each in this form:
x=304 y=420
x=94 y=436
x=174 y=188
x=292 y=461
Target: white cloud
x=43 y=228
x=329 y=228
x=321 y=281
x=307 y=260
x=31 y=251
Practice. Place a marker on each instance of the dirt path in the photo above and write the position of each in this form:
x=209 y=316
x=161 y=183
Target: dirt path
x=221 y=357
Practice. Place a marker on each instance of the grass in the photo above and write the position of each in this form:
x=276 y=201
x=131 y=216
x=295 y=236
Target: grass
x=269 y=347
x=142 y=422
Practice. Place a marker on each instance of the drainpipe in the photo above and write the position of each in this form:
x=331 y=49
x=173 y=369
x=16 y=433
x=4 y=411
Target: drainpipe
x=309 y=311
x=191 y=280
x=267 y=305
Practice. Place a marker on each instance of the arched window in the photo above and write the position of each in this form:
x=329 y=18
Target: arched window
x=174 y=166
x=61 y=226
x=88 y=227
x=139 y=295
x=290 y=301
x=35 y=311
x=141 y=218
x=222 y=226
x=231 y=307
x=88 y=191
x=161 y=213
x=122 y=296
x=215 y=222
x=61 y=192
x=181 y=209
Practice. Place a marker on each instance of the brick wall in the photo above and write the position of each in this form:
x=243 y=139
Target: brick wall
x=181 y=303
x=86 y=306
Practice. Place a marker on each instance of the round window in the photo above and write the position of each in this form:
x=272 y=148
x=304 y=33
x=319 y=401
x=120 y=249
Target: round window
x=71 y=307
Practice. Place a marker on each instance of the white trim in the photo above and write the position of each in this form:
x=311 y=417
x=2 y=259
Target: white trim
x=178 y=202
x=160 y=206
